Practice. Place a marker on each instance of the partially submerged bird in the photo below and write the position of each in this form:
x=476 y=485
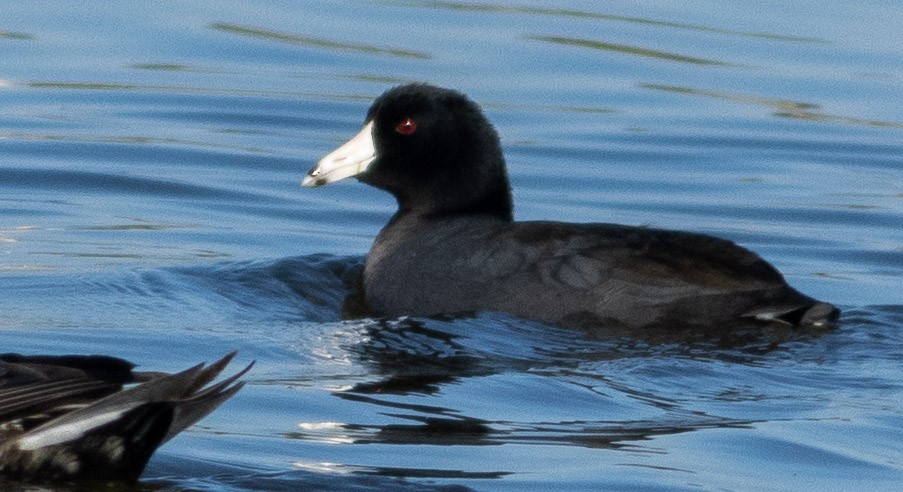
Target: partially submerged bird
x=65 y=418
x=453 y=246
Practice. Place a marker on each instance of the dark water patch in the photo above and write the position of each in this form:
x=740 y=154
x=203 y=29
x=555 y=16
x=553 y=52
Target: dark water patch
x=428 y=473
x=314 y=42
x=839 y=119
x=455 y=346
x=409 y=356
x=324 y=477
x=628 y=50
x=82 y=181
x=18 y=212
x=125 y=151
x=783 y=108
x=21 y=36
x=341 y=106
x=165 y=67
x=464 y=431
x=92 y=86
x=246 y=119
x=106 y=87
x=379 y=79
x=785 y=105
x=310 y=288
x=26 y=142
x=130 y=227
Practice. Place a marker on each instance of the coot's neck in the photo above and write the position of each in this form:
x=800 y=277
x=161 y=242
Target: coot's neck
x=437 y=203
x=473 y=181
x=409 y=220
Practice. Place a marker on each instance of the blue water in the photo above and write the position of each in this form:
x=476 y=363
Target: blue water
x=150 y=155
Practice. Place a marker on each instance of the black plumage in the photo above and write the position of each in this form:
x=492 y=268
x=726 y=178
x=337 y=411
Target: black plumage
x=453 y=246
x=65 y=418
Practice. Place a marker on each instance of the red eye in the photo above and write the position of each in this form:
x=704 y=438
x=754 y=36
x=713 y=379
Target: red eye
x=406 y=126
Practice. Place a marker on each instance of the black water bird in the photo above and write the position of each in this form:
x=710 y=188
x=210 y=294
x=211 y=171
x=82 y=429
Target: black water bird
x=68 y=418
x=453 y=246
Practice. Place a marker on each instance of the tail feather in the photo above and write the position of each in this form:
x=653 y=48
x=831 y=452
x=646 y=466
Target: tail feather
x=114 y=437
x=200 y=405
x=19 y=401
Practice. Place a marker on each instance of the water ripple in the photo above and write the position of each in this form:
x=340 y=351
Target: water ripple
x=313 y=42
x=64 y=180
x=585 y=14
x=627 y=49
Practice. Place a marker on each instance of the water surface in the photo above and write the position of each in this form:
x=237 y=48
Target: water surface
x=150 y=156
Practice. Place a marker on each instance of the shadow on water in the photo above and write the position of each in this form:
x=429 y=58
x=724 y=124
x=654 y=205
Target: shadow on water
x=420 y=355
x=468 y=431
x=324 y=477
x=410 y=357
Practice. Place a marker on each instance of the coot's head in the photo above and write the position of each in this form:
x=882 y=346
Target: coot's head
x=430 y=147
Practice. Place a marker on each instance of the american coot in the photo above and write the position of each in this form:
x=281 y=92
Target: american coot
x=453 y=246
x=67 y=418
